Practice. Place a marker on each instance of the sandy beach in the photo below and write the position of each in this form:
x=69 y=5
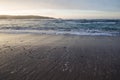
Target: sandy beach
x=59 y=57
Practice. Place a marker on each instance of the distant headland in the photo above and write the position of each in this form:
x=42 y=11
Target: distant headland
x=24 y=17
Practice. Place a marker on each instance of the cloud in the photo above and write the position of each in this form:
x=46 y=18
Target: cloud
x=63 y=8
x=103 y=5
x=110 y=5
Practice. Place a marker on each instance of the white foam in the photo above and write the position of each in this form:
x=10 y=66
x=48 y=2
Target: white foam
x=96 y=33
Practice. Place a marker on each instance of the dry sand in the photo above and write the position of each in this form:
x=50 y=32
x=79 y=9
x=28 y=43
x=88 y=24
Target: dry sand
x=59 y=57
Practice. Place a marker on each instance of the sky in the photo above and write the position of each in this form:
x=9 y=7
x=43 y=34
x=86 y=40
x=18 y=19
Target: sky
x=62 y=8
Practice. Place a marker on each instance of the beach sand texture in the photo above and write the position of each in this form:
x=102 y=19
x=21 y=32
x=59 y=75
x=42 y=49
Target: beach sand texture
x=59 y=57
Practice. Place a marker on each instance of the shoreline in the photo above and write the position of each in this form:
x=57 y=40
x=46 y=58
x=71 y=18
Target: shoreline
x=52 y=32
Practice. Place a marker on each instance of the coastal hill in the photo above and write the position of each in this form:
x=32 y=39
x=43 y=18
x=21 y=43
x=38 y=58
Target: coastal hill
x=24 y=17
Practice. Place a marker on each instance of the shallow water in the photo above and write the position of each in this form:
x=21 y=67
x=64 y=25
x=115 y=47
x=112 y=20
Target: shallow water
x=59 y=26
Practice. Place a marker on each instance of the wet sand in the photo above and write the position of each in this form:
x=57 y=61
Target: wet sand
x=59 y=57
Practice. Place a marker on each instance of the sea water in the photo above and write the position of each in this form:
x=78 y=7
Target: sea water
x=101 y=27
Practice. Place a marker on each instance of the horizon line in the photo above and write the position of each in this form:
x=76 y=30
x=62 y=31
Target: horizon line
x=32 y=15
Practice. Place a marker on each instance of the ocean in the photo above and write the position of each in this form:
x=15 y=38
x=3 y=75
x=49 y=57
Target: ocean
x=97 y=27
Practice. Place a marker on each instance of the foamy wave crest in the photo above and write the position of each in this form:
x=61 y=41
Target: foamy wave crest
x=91 y=33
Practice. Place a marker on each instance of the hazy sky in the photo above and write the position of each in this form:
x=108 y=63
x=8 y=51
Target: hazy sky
x=62 y=8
